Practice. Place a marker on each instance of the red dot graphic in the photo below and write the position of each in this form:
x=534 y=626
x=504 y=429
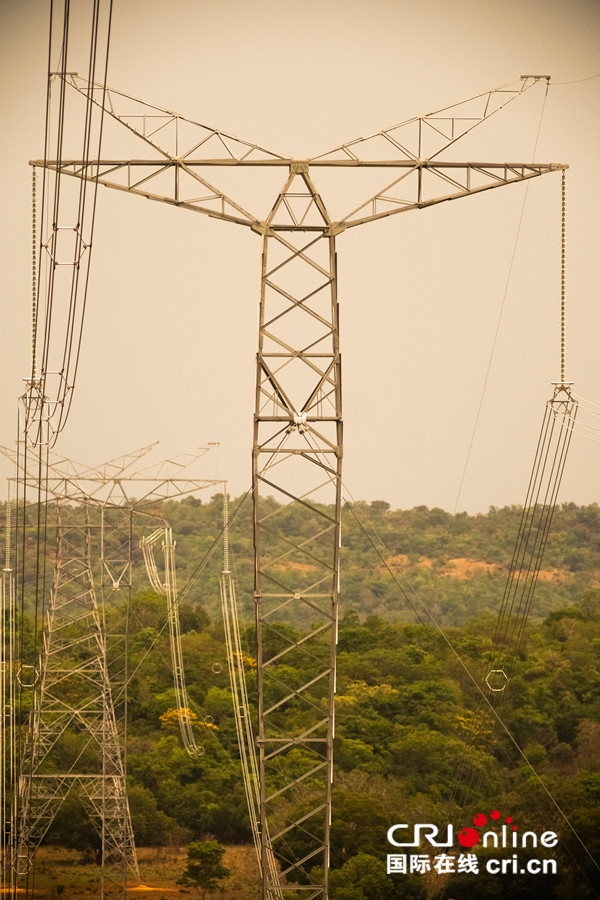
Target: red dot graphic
x=468 y=837
x=494 y=814
x=479 y=819
x=508 y=820
x=514 y=827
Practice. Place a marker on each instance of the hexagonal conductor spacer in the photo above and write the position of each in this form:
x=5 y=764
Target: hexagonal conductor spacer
x=496 y=680
x=27 y=676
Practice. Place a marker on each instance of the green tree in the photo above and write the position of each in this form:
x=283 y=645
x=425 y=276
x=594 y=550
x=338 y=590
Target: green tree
x=151 y=825
x=363 y=877
x=204 y=868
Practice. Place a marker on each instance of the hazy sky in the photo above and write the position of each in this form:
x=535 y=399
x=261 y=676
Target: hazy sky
x=170 y=337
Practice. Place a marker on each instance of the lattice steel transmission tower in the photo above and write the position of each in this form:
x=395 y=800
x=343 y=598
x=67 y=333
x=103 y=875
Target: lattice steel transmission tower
x=297 y=447
x=79 y=687
x=74 y=713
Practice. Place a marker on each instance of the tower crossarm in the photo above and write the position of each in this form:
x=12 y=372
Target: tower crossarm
x=429 y=135
x=177 y=155
x=169 y=141
x=111 y=484
x=186 y=188
x=171 y=134
x=414 y=185
x=428 y=183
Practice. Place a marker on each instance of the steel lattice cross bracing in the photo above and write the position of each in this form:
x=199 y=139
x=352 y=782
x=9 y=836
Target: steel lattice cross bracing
x=297 y=448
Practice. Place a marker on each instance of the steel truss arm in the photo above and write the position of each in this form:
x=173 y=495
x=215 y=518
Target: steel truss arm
x=174 y=139
x=417 y=185
x=109 y=485
x=425 y=137
x=168 y=132
x=189 y=189
x=184 y=150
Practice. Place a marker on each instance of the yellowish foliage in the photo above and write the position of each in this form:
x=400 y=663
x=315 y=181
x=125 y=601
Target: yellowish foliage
x=172 y=717
x=249 y=661
x=360 y=691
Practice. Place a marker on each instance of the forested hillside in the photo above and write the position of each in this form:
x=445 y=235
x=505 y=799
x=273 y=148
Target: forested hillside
x=412 y=744
x=456 y=564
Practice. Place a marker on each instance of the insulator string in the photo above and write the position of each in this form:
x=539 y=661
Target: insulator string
x=563 y=277
x=34 y=286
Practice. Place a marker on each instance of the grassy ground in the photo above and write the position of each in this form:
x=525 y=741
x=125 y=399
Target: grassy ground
x=63 y=873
